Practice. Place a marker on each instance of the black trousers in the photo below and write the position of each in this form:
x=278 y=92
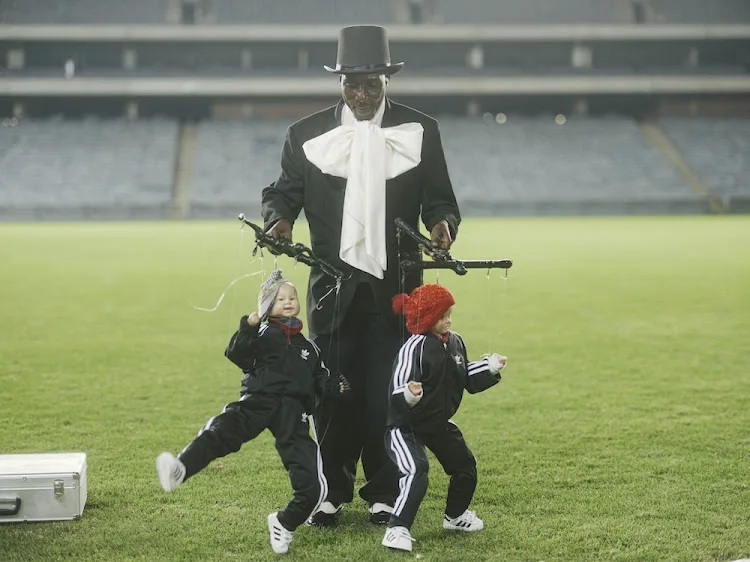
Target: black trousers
x=407 y=449
x=244 y=420
x=363 y=350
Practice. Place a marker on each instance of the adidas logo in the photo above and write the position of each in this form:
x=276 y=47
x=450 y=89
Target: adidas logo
x=457 y=359
x=304 y=354
x=304 y=418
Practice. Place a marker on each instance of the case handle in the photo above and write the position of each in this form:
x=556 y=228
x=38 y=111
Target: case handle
x=10 y=510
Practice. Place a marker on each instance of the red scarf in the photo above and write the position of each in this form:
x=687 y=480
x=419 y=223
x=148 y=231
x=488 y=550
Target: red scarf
x=290 y=326
x=442 y=337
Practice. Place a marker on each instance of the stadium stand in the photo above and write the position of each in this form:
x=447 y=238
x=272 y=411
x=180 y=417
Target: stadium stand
x=81 y=11
x=717 y=149
x=310 y=11
x=533 y=11
x=235 y=160
x=382 y=11
x=700 y=11
x=529 y=165
x=89 y=168
x=196 y=164
x=533 y=165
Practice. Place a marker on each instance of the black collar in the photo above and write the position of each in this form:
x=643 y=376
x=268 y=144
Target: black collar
x=339 y=107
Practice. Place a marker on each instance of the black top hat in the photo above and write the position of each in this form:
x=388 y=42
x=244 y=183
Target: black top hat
x=363 y=49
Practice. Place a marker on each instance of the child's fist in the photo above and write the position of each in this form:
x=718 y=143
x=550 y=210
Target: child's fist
x=496 y=362
x=415 y=388
x=253 y=319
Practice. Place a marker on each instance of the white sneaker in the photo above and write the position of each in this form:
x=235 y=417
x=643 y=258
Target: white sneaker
x=171 y=471
x=468 y=521
x=280 y=536
x=398 y=538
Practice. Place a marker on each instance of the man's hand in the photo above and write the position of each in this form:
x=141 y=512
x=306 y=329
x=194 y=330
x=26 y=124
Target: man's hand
x=440 y=237
x=253 y=319
x=282 y=229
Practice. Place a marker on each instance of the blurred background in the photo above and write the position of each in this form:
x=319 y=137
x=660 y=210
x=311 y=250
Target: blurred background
x=178 y=108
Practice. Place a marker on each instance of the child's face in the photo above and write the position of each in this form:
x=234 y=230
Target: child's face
x=286 y=304
x=444 y=324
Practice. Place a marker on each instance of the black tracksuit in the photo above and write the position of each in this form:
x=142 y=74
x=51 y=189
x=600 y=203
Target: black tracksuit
x=444 y=372
x=283 y=377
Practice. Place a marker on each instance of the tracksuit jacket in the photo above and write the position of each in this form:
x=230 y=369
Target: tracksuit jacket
x=276 y=364
x=444 y=372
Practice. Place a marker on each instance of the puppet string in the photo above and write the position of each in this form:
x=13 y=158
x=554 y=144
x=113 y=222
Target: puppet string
x=236 y=275
x=221 y=298
x=336 y=287
x=490 y=321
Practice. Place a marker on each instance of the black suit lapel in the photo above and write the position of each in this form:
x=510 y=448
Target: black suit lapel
x=389 y=116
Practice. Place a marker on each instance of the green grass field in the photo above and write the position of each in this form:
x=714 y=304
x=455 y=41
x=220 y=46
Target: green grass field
x=620 y=431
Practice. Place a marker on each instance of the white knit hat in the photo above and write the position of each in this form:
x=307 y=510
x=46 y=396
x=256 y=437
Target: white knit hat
x=268 y=291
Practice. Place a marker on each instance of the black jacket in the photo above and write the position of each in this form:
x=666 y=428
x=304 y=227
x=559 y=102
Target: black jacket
x=424 y=190
x=444 y=373
x=275 y=364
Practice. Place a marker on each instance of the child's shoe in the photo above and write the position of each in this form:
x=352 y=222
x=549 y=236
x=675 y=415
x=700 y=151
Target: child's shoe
x=171 y=471
x=467 y=521
x=280 y=536
x=398 y=538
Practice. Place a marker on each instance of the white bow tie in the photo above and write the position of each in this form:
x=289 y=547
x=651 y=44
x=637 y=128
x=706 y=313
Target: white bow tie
x=367 y=156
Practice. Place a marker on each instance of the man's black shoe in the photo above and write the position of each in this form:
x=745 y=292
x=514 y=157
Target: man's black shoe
x=326 y=516
x=380 y=513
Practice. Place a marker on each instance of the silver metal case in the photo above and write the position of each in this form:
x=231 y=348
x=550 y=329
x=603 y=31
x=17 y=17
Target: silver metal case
x=42 y=487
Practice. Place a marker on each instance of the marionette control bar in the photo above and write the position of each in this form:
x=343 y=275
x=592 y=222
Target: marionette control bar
x=411 y=265
x=297 y=251
x=442 y=259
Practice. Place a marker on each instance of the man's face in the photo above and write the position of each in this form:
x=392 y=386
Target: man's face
x=363 y=93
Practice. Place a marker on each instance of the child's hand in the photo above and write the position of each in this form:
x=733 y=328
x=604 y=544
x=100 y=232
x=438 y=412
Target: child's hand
x=253 y=319
x=496 y=363
x=415 y=388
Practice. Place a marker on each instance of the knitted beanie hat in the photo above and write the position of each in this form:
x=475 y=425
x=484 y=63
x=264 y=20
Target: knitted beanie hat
x=268 y=291
x=424 y=307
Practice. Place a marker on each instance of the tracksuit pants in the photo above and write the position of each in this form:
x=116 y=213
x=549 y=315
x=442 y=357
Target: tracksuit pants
x=244 y=420
x=363 y=349
x=407 y=449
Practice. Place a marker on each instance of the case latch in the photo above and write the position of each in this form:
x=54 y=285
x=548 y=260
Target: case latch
x=59 y=489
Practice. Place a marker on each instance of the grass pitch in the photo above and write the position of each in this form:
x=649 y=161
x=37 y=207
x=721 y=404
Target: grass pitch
x=620 y=431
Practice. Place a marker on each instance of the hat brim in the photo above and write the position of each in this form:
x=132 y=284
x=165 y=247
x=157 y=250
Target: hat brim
x=382 y=69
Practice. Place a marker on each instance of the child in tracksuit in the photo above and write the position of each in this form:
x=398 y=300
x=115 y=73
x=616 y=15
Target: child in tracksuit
x=283 y=377
x=428 y=382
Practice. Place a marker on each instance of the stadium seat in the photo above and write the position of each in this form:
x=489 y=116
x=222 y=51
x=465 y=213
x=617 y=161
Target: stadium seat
x=717 y=149
x=82 y=11
x=533 y=160
x=90 y=168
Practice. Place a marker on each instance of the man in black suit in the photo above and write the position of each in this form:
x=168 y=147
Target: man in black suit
x=354 y=168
